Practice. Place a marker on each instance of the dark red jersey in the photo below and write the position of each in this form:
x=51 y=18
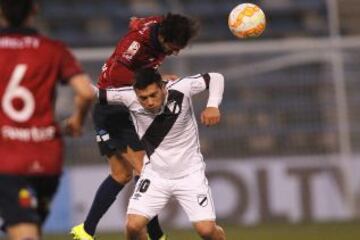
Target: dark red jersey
x=31 y=66
x=139 y=48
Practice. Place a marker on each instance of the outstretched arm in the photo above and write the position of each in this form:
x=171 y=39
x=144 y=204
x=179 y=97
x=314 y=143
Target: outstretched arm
x=195 y=84
x=211 y=115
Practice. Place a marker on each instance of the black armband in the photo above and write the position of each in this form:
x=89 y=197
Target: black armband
x=102 y=97
x=206 y=78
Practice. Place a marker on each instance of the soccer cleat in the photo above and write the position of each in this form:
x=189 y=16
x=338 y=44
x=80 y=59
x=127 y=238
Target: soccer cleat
x=78 y=233
x=163 y=237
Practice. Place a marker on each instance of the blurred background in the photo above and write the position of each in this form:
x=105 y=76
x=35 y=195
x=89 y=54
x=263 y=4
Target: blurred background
x=286 y=152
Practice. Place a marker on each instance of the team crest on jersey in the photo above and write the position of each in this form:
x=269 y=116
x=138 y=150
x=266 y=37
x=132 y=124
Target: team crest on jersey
x=174 y=107
x=132 y=50
x=202 y=200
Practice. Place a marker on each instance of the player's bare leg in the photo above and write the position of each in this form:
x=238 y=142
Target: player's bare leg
x=136 y=227
x=121 y=171
x=208 y=230
x=121 y=168
x=135 y=158
x=23 y=231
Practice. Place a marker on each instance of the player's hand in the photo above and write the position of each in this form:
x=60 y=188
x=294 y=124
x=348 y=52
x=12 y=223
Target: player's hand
x=169 y=77
x=72 y=126
x=210 y=116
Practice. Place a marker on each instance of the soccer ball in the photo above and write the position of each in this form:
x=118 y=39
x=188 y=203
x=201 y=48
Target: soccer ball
x=247 y=20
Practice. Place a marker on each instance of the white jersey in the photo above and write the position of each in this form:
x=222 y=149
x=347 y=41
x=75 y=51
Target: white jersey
x=170 y=137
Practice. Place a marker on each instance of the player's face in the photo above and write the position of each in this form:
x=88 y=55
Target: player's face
x=171 y=48
x=152 y=97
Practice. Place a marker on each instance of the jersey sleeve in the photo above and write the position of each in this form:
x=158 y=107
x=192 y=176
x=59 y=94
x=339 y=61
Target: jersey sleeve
x=69 y=66
x=190 y=85
x=116 y=96
x=198 y=83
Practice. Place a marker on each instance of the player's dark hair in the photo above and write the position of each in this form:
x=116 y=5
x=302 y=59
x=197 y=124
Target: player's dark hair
x=178 y=29
x=16 y=11
x=146 y=77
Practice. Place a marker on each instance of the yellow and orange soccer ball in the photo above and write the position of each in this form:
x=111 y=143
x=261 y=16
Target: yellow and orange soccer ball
x=247 y=20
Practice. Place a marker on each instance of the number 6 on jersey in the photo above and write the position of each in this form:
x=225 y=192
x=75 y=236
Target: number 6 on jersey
x=14 y=90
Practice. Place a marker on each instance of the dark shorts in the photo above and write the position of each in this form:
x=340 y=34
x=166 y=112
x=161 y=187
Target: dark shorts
x=114 y=129
x=25 y=199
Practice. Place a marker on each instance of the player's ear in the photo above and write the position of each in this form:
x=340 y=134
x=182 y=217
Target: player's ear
x=163 y=88
x=162 y=84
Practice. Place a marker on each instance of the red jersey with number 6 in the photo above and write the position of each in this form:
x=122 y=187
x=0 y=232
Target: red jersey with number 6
x=139 y=48
x=31 y=66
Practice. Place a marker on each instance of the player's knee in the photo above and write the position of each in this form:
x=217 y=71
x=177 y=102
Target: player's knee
x=206 y=230
x=122 y=177
x=133 y=228
x=23 y=231
x=24 y=237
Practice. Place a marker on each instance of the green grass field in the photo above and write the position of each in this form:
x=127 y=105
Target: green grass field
x=328 y=231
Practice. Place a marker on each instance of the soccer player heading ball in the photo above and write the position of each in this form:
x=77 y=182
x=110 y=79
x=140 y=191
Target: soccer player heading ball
x=149 y=41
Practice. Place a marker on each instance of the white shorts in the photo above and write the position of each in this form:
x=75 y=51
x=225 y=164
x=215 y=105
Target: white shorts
x=152 y=193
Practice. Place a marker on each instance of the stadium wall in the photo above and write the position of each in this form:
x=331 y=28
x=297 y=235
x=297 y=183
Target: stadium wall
x=245 y=192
